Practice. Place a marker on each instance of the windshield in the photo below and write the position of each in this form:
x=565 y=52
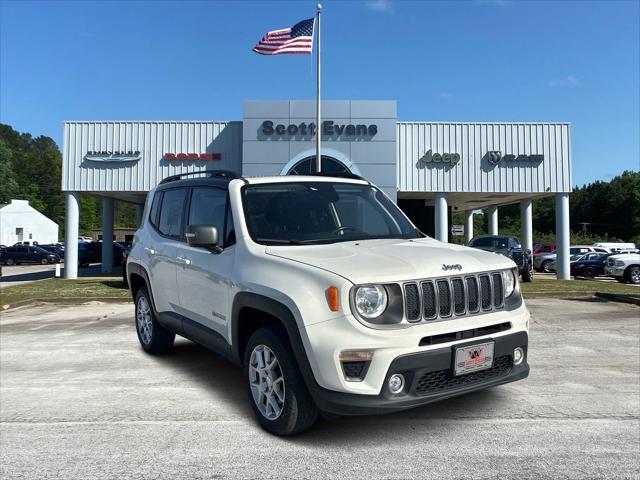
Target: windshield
x=321 y=212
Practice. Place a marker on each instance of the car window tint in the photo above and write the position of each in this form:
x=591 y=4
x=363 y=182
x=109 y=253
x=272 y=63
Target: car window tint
x=155 y=206
x=208 y=207
x=170 y=222
x=230 y=230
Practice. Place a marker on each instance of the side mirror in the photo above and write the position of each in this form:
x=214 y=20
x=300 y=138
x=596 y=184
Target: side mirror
x=203 y=236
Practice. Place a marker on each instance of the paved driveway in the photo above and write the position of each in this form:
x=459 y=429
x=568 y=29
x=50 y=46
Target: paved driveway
x=79 y=399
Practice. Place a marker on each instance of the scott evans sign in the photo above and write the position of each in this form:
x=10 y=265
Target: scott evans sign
x=495 y=157
x=173 y=157
x=329 y=129
x=446 y=158
x=113 y=156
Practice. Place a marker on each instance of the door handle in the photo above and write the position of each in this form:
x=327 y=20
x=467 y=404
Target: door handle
x=184 y=260
x=150 y=250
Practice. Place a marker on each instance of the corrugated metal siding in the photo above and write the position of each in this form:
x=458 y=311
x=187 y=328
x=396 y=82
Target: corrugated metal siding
x=153 y=140
x=473 y=173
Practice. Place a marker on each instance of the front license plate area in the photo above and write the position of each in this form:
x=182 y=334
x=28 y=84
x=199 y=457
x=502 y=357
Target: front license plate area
x=473 y=358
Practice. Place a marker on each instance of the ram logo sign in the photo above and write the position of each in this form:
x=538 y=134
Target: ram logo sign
x=495 y=157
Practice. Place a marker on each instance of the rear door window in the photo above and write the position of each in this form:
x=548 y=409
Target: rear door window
x=172 y=213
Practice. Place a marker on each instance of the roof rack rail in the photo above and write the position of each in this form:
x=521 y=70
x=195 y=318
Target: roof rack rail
x=350 y=175
x=209 y=173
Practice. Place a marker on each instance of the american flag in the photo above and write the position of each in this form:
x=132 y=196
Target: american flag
x=297 y=39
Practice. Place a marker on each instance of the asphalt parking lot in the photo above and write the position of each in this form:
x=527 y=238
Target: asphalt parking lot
x=79 y=399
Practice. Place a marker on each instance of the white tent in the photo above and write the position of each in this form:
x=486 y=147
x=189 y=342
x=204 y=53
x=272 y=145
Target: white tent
x=19 y=222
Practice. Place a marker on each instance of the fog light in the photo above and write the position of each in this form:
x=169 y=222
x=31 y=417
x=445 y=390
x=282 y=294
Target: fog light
x=518 y=356
x=396 y=383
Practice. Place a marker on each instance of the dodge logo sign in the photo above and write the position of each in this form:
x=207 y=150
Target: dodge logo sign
x=172 y=157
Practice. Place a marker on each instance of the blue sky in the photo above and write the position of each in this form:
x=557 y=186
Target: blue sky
x=493 y=60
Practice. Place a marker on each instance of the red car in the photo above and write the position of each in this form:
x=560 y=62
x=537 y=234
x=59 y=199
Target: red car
x=544 y=248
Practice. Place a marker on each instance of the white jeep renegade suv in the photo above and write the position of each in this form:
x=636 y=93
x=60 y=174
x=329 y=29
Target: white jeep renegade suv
x=326 y=294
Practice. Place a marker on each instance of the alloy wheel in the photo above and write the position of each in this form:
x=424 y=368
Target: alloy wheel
x=634 y=275
x=267 y=382
x=143 y=320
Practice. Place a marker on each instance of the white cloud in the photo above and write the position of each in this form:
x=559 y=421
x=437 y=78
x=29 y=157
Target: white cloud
x=565 y=82
x=379 y=6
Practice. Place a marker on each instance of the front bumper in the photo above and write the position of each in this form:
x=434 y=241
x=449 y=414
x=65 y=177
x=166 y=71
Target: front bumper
x=614 y=271
x=429 y=378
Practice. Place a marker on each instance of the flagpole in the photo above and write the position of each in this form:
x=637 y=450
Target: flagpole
x=318 y=125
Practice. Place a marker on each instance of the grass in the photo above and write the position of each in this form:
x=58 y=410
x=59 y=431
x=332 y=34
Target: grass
x=96 y=289
x=65 y=290
x=560 y=288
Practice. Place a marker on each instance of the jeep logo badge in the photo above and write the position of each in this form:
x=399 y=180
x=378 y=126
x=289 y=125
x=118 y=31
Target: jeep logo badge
x=456 y=266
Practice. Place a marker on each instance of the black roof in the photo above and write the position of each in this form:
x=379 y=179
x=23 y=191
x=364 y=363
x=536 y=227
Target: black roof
x=219 y=178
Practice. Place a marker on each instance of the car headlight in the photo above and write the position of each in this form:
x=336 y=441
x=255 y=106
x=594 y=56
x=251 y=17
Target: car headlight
x=619 y=263
x=508 y=282
x=370 y=301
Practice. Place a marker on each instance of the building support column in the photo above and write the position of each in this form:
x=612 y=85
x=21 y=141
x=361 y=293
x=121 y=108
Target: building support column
x=563 y=271
x=139 y=212
x=468 y=226
x=493 y=220
x=107 y=235
x=441 y=217
x=71 y=226
x=526 y=224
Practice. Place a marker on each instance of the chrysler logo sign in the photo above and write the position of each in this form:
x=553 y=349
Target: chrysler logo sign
x=113 y=156
x=495 y=157
x=329 y=129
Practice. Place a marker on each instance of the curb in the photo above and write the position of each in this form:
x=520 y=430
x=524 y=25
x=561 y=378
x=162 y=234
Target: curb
x=64 y=301
x=619 y=298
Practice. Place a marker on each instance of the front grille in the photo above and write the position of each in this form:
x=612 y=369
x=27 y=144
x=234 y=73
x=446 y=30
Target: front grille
x=518 y=258
x=442 y=380
x=445 y=297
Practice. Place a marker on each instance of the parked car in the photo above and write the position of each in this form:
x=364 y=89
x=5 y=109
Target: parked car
x=543 y=248
x=616 y=246
x=509 y=247
x=590 y=265
x=91 y=252
x=126 y=244
x=53 y=248
x=624 y=267
x=543 y=262
x=330 y=299
x=27 y=254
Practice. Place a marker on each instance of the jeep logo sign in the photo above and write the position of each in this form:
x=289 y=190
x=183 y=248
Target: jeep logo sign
x=329 y=129
x=455 y=266
x=495 y=157
x=446 y=158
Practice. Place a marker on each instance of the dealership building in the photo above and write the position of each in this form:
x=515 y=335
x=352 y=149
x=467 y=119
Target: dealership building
x=429 y=168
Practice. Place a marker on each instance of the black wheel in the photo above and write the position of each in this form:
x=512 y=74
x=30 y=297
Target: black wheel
x=590 y=272
x=153 y=337
x=10 y=261
x=632 y=275
x=545 y=266
x=44 y=261
x=124 y=274
x=276 y=389
x=527 y=273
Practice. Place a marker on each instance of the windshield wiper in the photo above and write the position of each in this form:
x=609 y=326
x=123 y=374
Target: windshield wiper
x=283 y=241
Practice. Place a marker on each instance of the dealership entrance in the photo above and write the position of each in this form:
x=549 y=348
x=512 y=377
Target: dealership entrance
x=430 y=169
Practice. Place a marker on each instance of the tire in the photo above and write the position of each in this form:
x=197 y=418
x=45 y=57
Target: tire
x=153 y=337
x=10 y=261
x=632 y=275
x=44 y=261
x=590 y=273
x=545 y=266
x=527 y=273
x=297 y=410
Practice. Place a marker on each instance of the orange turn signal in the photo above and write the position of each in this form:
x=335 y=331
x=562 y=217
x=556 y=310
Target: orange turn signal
x=332 y=298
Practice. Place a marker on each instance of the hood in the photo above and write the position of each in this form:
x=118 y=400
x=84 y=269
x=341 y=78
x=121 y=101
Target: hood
x=366 y=261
